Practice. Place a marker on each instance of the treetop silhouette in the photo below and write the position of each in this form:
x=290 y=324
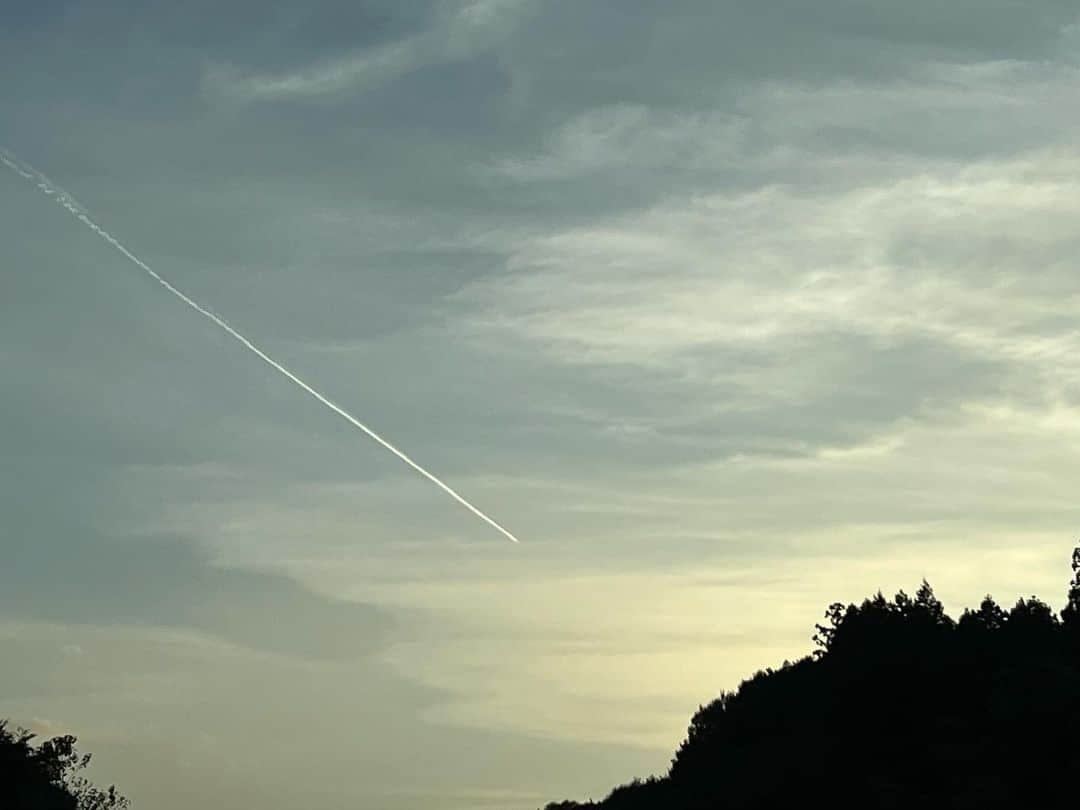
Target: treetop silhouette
x=48 y=776
x=900 y=706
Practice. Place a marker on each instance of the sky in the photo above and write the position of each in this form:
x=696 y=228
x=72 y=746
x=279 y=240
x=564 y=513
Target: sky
x=727 y=309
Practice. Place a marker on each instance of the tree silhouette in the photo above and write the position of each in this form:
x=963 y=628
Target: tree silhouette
x=48 y=776
x=899 y=706
x=1070 y=614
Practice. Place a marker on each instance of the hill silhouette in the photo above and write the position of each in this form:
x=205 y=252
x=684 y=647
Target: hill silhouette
x=901 y=706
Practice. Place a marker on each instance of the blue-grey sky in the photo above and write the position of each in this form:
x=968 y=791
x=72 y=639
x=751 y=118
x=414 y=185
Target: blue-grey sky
x=727 y=309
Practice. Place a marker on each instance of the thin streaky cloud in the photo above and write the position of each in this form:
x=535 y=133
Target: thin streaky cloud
x=461 y=32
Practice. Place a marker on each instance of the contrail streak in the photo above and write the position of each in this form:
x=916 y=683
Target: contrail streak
x=77 y=211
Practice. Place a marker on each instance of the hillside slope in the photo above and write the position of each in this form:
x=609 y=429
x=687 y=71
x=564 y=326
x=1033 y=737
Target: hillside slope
x=901 y=706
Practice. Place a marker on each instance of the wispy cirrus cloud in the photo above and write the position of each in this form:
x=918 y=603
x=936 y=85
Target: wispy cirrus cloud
x=457 y=31
x=931 y=254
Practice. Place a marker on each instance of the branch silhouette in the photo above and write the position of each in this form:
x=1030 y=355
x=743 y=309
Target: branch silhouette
x=48 y=776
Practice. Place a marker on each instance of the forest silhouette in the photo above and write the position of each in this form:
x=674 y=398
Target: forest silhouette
x=900 y=706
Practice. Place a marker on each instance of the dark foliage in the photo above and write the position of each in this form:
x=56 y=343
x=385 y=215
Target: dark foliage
x=901 y=706
x=48 y=776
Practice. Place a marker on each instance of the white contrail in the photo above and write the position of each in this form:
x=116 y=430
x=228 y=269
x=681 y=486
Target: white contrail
x=76 y=210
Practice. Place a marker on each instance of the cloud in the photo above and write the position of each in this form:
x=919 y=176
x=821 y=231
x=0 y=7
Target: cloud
x=458 y=31
x=929 y=255
x=631 y=136
x=153 y=582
